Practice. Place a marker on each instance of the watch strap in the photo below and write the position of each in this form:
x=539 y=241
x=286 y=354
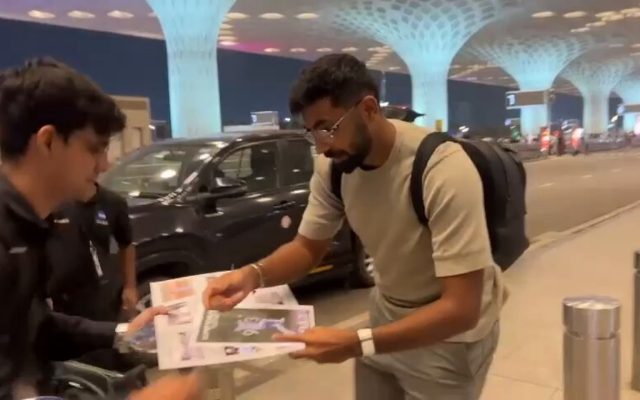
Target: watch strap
x=121 y=342
x=366 y=342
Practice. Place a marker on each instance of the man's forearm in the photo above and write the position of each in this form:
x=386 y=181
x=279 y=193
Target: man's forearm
x=292 y=261
x=431 y=324
x=128 y=266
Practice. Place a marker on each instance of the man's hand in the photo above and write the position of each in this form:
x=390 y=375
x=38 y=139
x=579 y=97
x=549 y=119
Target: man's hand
x=225 y=292
x=325 y=345
x=173 y=387
x=145 y=318
x=130 y=298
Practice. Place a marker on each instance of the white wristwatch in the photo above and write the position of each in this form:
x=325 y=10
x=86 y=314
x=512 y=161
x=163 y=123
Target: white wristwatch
x=121 y=342
x=366 y=342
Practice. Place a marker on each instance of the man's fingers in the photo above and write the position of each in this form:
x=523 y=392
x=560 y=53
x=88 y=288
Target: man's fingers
x=299 y=354
x=155 y=311
x=287 y=337
x=214 y=289
x=232 y=301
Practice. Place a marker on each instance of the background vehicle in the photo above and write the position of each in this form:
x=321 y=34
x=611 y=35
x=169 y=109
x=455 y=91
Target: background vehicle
x=403 y=113
x=205 y=205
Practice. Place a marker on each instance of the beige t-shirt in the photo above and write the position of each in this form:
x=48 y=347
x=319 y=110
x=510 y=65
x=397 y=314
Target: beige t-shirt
x=408 y=257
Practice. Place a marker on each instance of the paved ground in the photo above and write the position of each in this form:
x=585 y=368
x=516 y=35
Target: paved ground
x=562 y=193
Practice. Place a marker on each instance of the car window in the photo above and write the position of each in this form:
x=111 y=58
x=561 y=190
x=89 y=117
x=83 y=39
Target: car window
x=299 y=162
x=155 y=171
x=255 y=164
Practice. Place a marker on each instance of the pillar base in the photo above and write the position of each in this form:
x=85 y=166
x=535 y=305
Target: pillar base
x=532 y=118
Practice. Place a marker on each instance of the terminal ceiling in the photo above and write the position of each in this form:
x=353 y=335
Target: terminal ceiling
x=303 y=28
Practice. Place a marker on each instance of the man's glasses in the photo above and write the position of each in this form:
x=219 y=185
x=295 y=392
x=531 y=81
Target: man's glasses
x=326 y=135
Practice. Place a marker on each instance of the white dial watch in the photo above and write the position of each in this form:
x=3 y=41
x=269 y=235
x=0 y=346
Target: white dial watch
x=366 y=342
x=121 y=342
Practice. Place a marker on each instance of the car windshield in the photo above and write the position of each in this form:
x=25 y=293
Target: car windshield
x=156 y=171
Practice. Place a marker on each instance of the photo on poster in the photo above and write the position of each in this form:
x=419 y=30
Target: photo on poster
x=253 y=325
x=176 y=289
x=186 y=351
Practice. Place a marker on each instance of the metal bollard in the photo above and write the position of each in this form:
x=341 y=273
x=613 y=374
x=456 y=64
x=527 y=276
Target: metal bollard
x=591 y=348
x=635 y=369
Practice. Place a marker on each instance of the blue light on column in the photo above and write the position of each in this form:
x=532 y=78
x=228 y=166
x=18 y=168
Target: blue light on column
x=595 y=80
x=534 y=59
x=426 y=34
x=191 y=29
x=629 y=90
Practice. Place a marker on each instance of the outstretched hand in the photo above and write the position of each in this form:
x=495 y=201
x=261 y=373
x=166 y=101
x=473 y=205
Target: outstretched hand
x=325 y=345
x=145 y=318
x=225 y=292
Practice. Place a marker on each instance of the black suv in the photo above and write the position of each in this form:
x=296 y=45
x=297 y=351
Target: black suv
x=205 y=205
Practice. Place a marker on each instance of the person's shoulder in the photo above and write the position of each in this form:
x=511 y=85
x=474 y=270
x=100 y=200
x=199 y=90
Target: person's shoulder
x=413 y=135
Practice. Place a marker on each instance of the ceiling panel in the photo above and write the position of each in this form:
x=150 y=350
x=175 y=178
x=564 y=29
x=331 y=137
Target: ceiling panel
x=615 y=22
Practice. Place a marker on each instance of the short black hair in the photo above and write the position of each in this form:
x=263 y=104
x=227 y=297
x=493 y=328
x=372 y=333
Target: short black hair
x=47 y=92
x=341 y=77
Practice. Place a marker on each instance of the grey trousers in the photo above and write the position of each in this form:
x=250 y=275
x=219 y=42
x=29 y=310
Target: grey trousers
x=445 y=371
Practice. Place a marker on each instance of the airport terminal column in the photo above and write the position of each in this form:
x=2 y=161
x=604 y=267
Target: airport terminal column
x=595 y=80
x=534 y=59
x=629 y=89
x=191 y=29
x=591 y=348
x=425 y=34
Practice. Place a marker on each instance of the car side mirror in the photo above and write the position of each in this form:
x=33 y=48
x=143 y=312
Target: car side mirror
x=228 y=188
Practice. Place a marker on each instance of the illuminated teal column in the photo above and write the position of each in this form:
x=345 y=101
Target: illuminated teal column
x=426 y=35
x=191 y=29
x=595 y=80
x=534 y=59
x=629 y=90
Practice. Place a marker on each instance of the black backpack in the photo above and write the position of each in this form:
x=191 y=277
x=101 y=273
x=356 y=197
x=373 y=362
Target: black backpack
x=504 y=182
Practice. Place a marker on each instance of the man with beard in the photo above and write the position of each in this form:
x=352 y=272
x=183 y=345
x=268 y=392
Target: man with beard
x=434 y=311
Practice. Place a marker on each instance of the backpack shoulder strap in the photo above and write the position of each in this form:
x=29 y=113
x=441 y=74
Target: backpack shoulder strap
x=336 y=181
x=427 y=147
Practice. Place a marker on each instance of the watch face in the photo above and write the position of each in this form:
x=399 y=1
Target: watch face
x=122 y=328
x=144 y=340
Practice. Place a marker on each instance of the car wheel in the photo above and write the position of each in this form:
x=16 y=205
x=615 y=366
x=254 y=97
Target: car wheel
x=144 y=289
x=362 y=273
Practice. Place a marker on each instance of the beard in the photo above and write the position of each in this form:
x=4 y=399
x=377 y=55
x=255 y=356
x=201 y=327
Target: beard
x=350 y=161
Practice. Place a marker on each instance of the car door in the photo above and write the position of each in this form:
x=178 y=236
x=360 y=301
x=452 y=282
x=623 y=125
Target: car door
x=245 y=229
x=297 y=169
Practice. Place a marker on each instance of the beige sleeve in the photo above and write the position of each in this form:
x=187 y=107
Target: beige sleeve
x=324 y=214
x=454 y=204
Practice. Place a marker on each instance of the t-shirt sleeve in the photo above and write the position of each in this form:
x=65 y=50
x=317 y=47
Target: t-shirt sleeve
x=324 y=214
x=454 y=203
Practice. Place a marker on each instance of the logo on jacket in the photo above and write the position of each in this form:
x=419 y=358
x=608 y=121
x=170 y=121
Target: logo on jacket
x=101 y=218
